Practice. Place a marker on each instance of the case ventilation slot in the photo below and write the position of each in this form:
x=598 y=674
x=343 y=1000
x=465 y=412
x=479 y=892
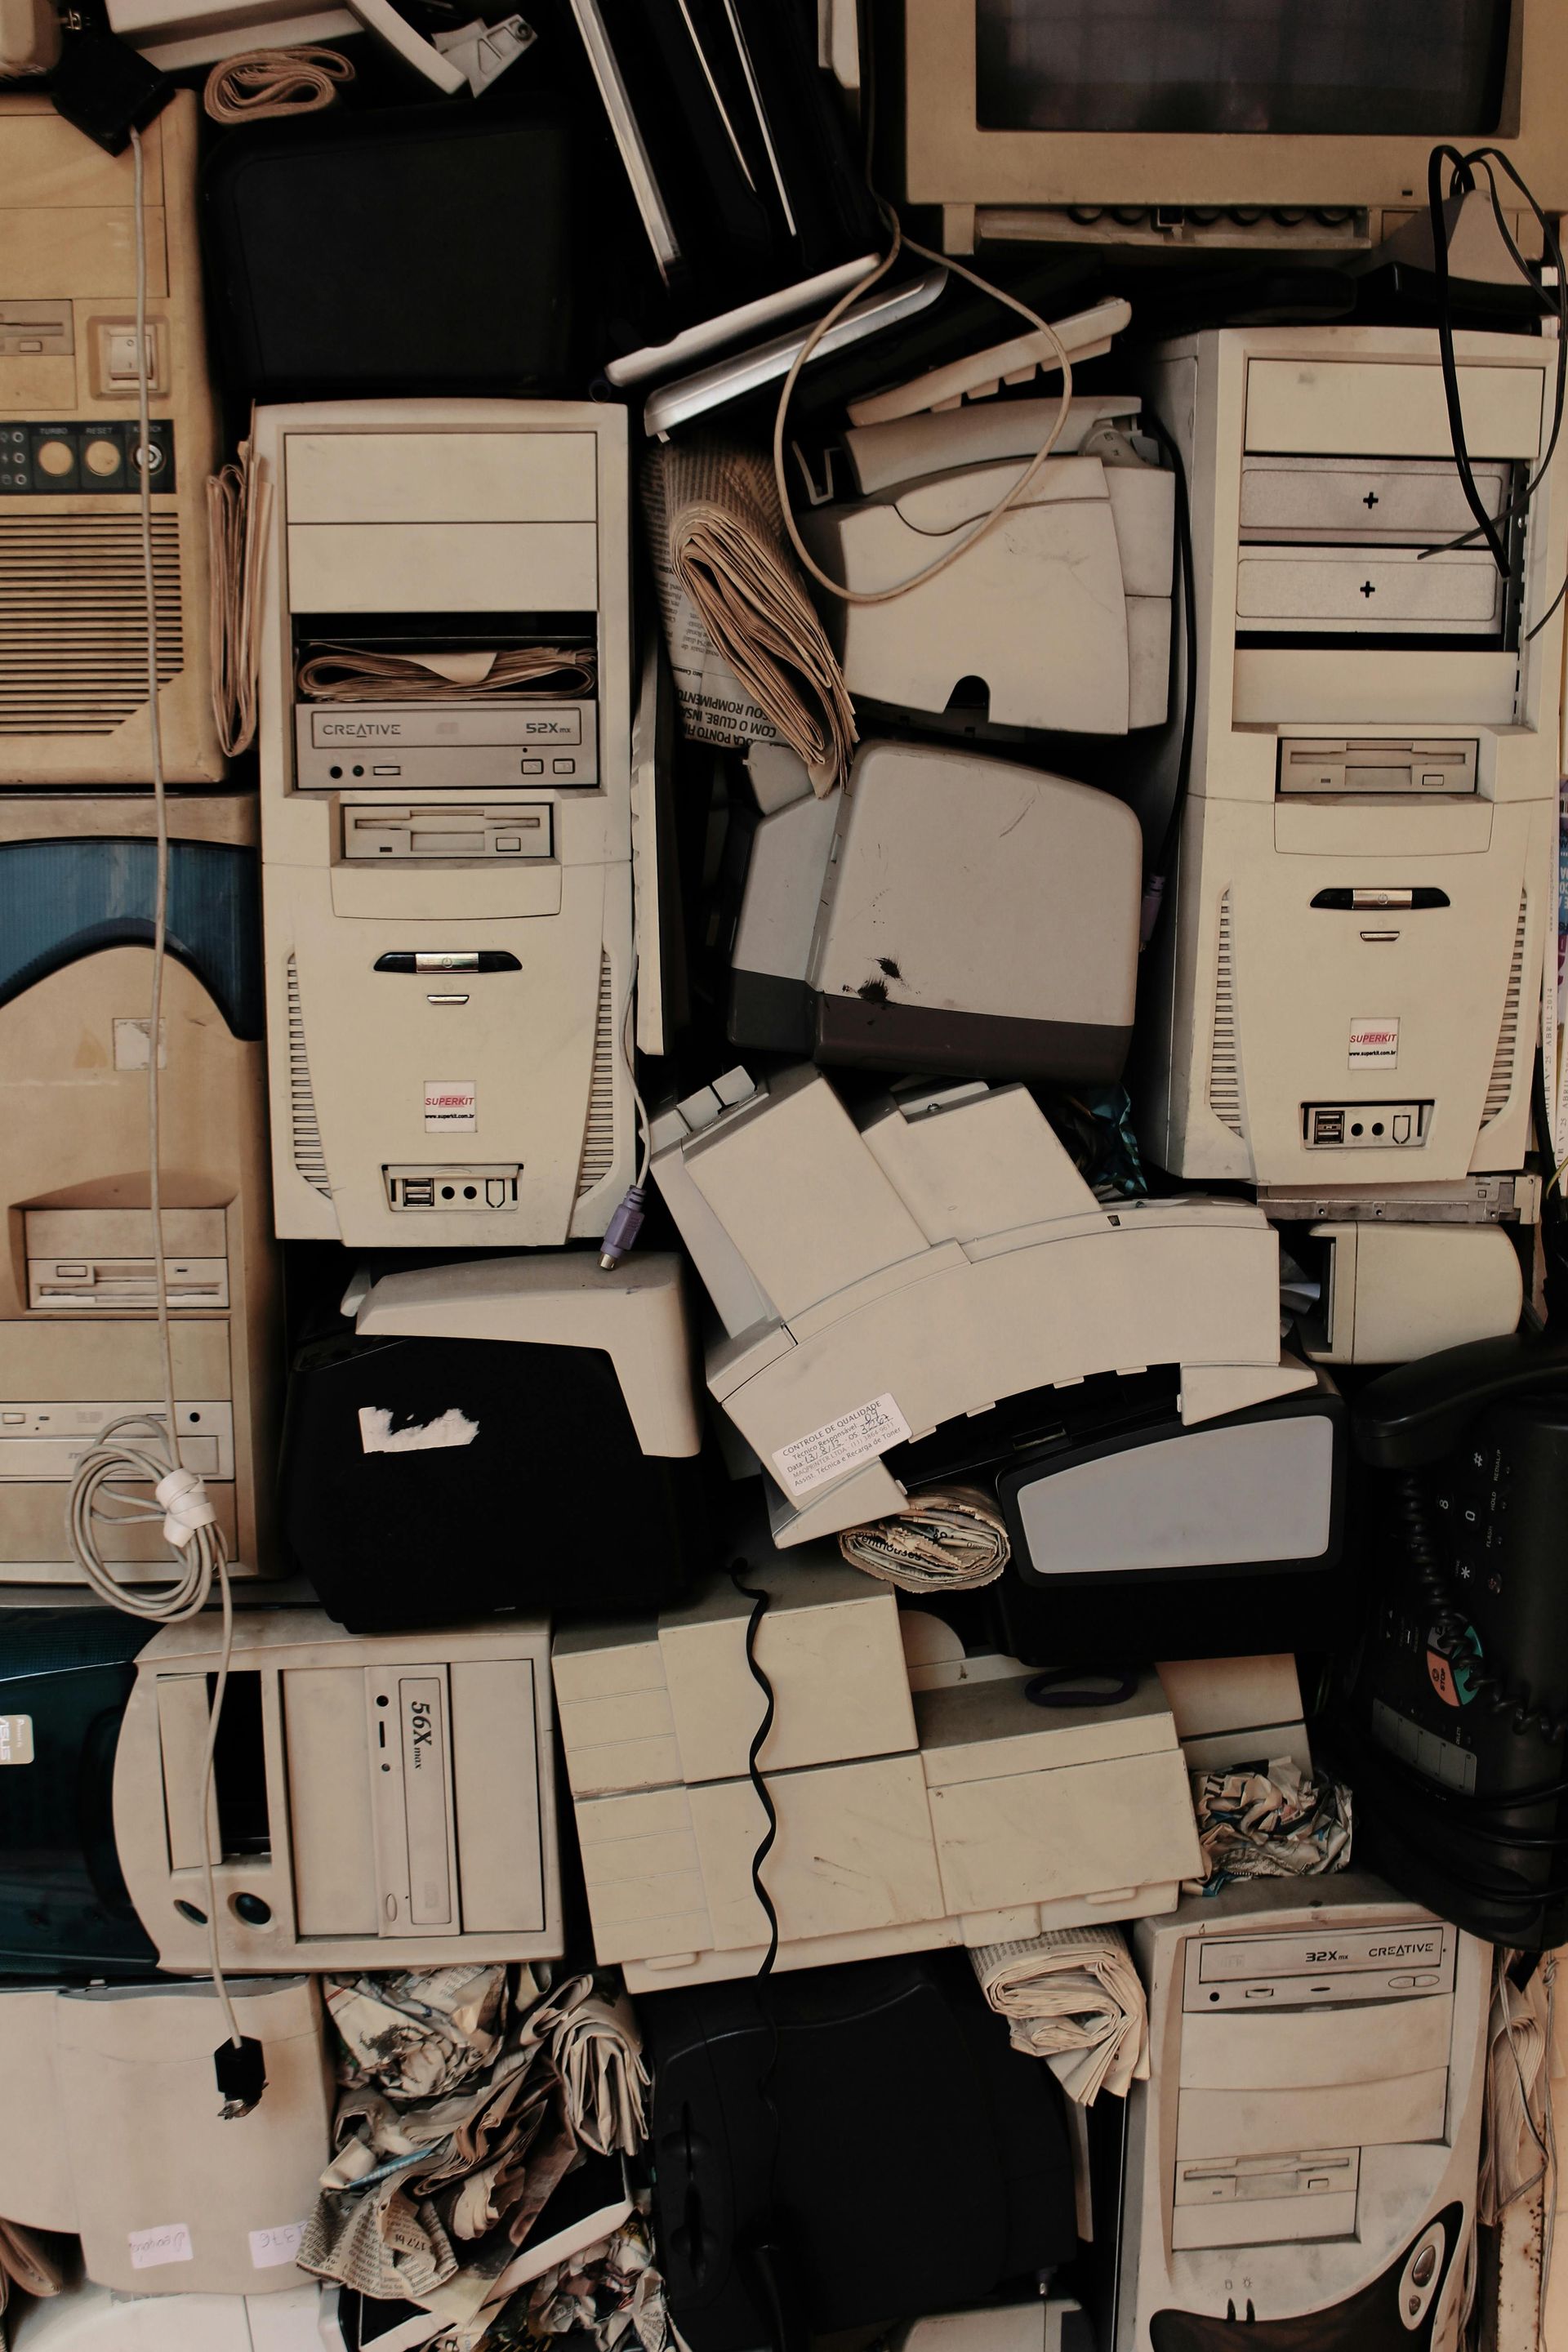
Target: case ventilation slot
x=309 y=1158
x=1225 y=1072
x=599 y=1134
x=73 y=621
x=1499 y=1086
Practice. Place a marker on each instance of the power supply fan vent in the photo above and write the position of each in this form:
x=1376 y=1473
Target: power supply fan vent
x=1499 y=1086
x=599 y=1134
x=1225 y=1066
x=73 y=621
x=310 y=1159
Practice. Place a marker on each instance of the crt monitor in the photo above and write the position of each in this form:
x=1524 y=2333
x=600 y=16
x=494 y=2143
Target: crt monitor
x=1022 y=108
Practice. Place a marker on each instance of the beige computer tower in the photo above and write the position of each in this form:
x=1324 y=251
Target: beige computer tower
x=78 y=1329
x=73 y=648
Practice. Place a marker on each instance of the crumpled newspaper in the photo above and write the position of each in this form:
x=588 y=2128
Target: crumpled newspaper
x=613 y=2292
x=1270 y=1821
x=948 y=1539
x=419 y=2032
x=1073 y=1998
x=596 y=2049
x=428 y=2198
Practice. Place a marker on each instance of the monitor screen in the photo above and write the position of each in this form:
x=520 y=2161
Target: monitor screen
x=1376 y=67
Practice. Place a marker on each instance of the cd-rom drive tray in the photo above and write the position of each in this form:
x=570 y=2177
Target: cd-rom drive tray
x=471 y=746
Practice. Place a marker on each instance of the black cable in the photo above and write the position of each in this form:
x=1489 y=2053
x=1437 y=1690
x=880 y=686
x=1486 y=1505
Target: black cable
x=1183 y=574
x=1489 y=159
x=760 y=1598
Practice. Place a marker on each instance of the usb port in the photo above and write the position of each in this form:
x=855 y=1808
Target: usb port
x=1328 y=1126
x=418 y=1192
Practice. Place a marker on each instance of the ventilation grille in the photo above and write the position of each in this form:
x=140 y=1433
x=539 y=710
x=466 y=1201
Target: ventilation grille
x=1224 y=1068
x=599 y=1134
x=1499 y=1086
x=73 y=621
x=310 y=1159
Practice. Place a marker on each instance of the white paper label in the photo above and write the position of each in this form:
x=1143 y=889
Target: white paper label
x=840 y=1445
x=271 y=2248
x=151 y=2248
x=451 y=1107
x=376 y=1434
x=131 y=1044
x=1374 y=1042
x=15 y=1738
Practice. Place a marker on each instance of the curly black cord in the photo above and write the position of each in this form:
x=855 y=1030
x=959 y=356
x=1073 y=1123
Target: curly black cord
x=759 y=1597
x=1450 y=1625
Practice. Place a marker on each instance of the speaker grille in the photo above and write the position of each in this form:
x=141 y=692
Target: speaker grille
x=599 y=1134
x=1224 y=1068
x=73 y=621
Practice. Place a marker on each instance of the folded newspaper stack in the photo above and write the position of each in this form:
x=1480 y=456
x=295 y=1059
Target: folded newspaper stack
x=1072 y=1997
x=751 y=658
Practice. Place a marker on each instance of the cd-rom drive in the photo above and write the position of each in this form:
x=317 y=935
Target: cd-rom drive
x=439 y=747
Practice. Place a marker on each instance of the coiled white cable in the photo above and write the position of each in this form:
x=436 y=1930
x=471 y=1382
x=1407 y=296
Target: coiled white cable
x=190 y=1524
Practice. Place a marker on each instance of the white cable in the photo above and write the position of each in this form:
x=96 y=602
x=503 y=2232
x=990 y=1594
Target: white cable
x=1004 y=505
x=190 y=1526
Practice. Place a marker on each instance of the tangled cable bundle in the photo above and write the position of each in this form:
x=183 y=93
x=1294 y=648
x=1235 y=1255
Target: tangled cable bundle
x=344 y=674
x=259 y=85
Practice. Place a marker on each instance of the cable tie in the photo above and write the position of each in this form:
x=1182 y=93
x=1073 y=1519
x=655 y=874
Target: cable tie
x=184 y=1496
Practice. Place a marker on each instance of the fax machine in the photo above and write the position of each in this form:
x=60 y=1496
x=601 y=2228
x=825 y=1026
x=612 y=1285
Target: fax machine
x=446 y=745
x=1062 y=612
x=833 y=1246
x=954 y=1813
x=943 y=912
x=1348 y=977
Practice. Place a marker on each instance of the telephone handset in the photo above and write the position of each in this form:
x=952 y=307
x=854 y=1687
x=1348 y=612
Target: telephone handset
x=1461 y=1701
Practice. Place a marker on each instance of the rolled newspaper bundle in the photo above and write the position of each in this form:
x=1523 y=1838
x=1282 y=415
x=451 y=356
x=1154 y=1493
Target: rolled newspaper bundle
x=1072 y=1997
x=751 y=658
x=949 y=1539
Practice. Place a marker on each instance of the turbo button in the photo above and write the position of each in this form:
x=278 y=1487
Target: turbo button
x=56 y=457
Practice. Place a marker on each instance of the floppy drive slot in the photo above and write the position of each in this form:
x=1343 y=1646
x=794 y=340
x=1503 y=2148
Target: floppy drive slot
x=1253 y=2200
x=83 y=1261
x=1338 y=766
x=492 y=833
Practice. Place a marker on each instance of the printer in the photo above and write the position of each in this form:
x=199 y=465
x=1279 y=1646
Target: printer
x=1345 y=986
x=833 y=1246
x=377 y=1803
x=954 y=1813
x=445 y=737
x=531 y=1424
x=78 y=1340
x=117 y=2132
x=1061 y=612
x=1300 y=2165
x=943 y=912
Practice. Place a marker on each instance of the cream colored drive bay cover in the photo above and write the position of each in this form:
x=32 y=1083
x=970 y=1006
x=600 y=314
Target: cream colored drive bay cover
x=447 y=882
x=959 y=1813
x=836 y=1249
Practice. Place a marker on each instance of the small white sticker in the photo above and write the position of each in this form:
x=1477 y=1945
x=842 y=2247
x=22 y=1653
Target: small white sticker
x=840 y=1445
x=451 y=1107
x=1374 y=1042
x=376 y=1434
x=270 y=2248
x=131 y=1043
x=151 y=2248
x=15 y=1738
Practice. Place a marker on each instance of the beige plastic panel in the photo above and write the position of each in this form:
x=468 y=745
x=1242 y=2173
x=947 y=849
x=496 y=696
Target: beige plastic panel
x=853 y=1852
x=329 y=1778
x=1375 y=408
x=442 y=567
x=495 y=1774
x=1387 y=2114
x=446 y=478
